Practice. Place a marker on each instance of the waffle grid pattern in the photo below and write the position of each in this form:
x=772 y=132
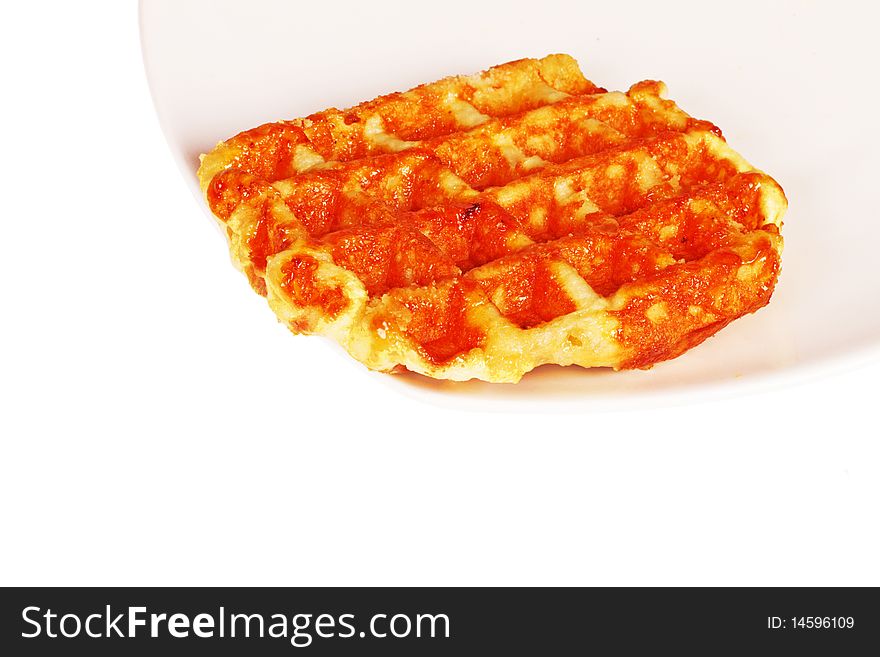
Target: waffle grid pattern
x=481 y=226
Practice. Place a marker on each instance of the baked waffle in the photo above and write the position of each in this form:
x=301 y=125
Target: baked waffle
x=481 y=226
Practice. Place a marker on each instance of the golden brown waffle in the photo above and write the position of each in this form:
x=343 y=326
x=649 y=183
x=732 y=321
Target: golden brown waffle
x=481 y=226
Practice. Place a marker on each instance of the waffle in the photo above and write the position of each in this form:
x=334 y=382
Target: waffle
x=481 y=226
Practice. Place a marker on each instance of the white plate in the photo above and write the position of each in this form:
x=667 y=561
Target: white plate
x=789 y=84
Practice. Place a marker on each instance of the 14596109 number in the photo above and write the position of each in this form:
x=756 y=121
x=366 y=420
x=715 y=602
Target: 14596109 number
x=811 y=623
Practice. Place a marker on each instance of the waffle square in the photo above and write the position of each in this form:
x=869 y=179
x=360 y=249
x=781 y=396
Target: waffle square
x=481 y=226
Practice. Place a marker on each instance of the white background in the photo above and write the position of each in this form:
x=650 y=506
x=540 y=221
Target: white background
x=159 y=427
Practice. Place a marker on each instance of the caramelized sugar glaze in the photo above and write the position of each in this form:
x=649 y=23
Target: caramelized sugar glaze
x=481 y=226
